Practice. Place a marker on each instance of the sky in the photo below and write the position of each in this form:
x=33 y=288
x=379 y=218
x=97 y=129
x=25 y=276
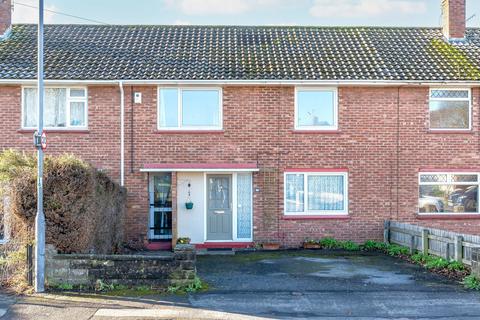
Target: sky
x=245 y=12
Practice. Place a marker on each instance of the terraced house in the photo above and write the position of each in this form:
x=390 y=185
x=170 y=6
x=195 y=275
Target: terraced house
x=231 y=135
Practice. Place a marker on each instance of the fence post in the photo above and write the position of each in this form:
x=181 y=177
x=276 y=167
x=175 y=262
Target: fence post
x=425 y=241
x=412 y=244
x=386 y=231
x=458 y=248
x=447 y=252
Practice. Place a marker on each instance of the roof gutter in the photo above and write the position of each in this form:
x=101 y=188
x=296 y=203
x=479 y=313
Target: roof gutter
x=248 y=82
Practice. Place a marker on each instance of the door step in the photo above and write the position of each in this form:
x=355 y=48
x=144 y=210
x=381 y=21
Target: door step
x=215 y=252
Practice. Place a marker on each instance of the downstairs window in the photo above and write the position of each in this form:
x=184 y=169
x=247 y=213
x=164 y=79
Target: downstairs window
x=448 y=193
x=316 y=193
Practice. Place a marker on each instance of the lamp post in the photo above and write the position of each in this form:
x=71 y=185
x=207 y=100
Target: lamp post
x=39 y=136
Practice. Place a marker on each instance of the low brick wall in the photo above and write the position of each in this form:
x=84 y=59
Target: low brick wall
x=162 y=270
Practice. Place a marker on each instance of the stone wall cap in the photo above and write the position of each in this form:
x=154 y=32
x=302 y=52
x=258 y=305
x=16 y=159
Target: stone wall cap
x=163 y=257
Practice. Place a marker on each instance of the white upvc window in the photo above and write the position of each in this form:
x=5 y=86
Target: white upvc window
x=448 y=193
x=64 y=108
x=316 y=108
x=450 y=109
x=316 y=193
x=189 y=108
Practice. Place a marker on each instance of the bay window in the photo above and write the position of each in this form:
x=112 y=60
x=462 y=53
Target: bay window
x=63 y=108
x=450 y=109
x=448 y=193
x=189 y=108
x=316 y=193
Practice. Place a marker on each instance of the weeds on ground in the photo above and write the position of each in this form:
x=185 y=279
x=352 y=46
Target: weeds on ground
x=471 y=282
x=196 y=285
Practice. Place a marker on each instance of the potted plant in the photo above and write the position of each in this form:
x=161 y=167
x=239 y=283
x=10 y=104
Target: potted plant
x=270 y=246
x=189 y=203
x=183 y=240
x=311 y=244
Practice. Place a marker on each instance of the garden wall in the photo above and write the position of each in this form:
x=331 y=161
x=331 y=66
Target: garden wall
x=177 y=268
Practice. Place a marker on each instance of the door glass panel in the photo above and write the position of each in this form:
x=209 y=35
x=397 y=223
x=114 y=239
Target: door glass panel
x=161 y=223
x=244 y=210
x=219 y=193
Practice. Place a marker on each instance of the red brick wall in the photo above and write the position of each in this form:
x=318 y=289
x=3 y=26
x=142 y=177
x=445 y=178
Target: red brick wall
x=453 y=16
x=382 y=131
x=5 y=16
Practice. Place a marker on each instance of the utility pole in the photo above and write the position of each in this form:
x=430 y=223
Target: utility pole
x=39 y=135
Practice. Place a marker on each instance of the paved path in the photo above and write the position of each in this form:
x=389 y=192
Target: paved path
x=285 y=285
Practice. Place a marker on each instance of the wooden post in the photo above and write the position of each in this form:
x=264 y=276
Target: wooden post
x=458 y=247
x=412 y=244
x=447 y=251
x=386 y=231
x=425 y=241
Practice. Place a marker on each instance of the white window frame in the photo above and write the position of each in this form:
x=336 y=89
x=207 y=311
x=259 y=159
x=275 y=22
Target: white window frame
x=179 y=127
x=449 y=182
x=307 y=212
x=69 y=100
x=469 y=90
x=335 y=109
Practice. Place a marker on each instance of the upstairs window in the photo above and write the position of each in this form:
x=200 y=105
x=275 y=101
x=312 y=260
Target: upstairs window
x=189 y=109
x=316 y=109
x=316 y=193
x=63 y=108
x=448 y=193
x=450 y=109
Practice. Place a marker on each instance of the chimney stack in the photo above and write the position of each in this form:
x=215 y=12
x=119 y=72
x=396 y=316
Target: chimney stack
x=5 y=18
x=453 y=19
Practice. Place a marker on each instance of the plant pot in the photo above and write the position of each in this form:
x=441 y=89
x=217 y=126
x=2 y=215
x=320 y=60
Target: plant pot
x=307 y=245
x=271 y=246
x=189 y=205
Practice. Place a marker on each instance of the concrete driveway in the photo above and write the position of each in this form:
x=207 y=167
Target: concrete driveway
x=280 y=285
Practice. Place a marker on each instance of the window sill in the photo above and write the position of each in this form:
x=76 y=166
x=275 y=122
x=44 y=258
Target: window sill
x=190 y=131
x=66 y=131
x=316 y=217
x=446 y=131
x=299 y=131
x=454 y=216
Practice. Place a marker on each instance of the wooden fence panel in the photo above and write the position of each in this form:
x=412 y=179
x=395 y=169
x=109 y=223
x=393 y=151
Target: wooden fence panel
x=442 y=243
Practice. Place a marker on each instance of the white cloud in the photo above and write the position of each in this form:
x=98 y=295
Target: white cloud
x=27 y=14
x=217 y=7
x=364 y=8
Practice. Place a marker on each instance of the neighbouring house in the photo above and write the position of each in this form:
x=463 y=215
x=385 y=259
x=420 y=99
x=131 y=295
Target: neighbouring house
x=231 y=135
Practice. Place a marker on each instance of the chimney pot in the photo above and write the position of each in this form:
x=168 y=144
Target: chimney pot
x=453 y=19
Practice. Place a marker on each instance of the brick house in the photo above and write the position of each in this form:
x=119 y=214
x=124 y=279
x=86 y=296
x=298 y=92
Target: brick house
x=274 y=134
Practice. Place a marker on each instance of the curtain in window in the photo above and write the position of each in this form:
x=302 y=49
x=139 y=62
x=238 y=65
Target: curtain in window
x=55 y=108
x=77 y=114
x=30 y=103
x=325 y=193
x=294 y=193
x=244 y=207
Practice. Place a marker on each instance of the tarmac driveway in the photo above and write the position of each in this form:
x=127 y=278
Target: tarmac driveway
x=285 y=285
x=310 y=284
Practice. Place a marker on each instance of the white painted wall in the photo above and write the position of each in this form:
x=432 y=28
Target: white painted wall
x=191 y=223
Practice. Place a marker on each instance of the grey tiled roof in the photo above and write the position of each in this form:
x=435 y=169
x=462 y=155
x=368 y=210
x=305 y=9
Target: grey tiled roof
x=92 y=52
